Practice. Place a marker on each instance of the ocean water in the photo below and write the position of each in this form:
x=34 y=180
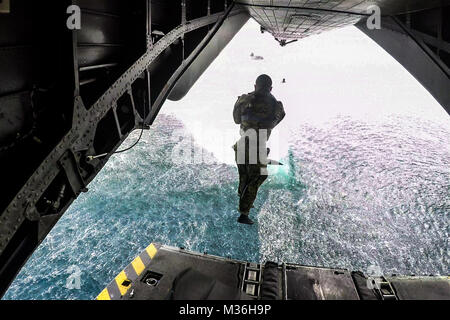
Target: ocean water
x=351 y=194
x=365 y=181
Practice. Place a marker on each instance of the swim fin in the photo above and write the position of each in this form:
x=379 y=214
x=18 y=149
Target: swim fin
x=274 y=163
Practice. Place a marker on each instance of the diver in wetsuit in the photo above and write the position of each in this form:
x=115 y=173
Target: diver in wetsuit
x=258 y=113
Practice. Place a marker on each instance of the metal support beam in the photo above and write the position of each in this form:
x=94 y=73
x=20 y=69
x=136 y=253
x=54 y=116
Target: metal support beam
x=21 y=211
x=148 y=11
x=183 y=11
x=179 y=72
x=414 y=55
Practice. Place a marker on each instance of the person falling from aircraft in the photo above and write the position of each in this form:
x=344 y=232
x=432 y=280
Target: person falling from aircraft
x=257 y=113
x=254 y=57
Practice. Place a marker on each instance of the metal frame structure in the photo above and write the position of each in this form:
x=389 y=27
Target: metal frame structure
x=69 y=98
x=64 y=166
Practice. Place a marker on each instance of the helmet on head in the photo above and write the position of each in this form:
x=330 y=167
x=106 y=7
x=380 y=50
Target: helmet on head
x=263 y=82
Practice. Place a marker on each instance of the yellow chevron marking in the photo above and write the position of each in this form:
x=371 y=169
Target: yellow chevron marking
x=138 y=265
x=151 y=250
x=104 y=295
x=119 y=280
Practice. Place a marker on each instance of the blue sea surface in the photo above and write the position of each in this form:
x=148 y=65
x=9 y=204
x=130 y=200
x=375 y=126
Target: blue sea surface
x=351 y=194
x=365 y=181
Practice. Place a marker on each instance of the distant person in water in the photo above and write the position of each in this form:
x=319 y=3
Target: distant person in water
x=258 y=113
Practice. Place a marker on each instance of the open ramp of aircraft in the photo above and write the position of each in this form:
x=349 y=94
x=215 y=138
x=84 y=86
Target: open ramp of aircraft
x=70 y=97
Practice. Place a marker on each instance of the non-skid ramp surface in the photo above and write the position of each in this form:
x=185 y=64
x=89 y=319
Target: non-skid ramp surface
x=164 y=272
x=414 y=288
x=157 y=276
x=131 y=274
x=306 y=283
